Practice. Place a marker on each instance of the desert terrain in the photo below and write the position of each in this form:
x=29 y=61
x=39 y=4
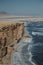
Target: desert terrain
x=10 y=34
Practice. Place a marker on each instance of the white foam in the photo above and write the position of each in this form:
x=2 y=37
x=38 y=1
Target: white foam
x=30 y=58
x=16 y=56
x=30 y=54
x=37 y=33
x=28 y=40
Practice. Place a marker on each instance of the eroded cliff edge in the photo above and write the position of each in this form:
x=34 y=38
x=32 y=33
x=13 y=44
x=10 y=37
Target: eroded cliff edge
x=10 y=35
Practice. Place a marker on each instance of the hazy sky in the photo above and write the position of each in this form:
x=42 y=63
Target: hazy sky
x=22 y=7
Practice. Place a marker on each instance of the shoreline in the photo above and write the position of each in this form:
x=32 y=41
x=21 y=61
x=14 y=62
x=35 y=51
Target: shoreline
x=10 y=34
x=16 y=56
x=10 y=18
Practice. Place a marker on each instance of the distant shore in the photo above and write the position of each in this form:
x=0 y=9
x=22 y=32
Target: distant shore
x=13 y=18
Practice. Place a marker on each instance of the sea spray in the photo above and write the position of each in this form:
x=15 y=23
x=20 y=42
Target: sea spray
x=30 y=54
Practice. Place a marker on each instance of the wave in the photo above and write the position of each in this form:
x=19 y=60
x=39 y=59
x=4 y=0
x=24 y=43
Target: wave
x=37 y=33
x=30 y=55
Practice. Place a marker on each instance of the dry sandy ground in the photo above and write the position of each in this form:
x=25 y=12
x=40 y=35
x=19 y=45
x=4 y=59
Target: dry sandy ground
x=6 y=23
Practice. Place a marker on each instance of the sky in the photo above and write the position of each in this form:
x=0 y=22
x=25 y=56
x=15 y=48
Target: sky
x=22 y=7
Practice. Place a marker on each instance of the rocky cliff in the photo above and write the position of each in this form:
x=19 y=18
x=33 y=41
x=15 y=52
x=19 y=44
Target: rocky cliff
x=9 y=35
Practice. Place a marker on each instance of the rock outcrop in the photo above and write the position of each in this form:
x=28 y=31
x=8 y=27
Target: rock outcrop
x=9 y=35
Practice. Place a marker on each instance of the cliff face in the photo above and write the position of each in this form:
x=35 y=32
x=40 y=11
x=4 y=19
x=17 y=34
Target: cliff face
x=9 y=34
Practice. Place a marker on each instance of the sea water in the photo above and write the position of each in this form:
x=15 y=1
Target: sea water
x=35 y=48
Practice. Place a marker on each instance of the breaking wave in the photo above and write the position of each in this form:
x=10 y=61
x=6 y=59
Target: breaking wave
x=37 y=33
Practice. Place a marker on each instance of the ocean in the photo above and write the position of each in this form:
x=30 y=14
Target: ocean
x=30 y=51
x=35 y=48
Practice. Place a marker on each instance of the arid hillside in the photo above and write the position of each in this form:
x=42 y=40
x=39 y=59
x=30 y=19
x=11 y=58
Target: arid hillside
x=9 y=33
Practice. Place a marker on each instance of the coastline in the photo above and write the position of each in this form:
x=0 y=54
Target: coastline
x=19 y=47
x=12 y=18
x=16 y=56
x=10 y=34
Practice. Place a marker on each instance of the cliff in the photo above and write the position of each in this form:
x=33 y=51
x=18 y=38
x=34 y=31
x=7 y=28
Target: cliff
x=10 y=34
